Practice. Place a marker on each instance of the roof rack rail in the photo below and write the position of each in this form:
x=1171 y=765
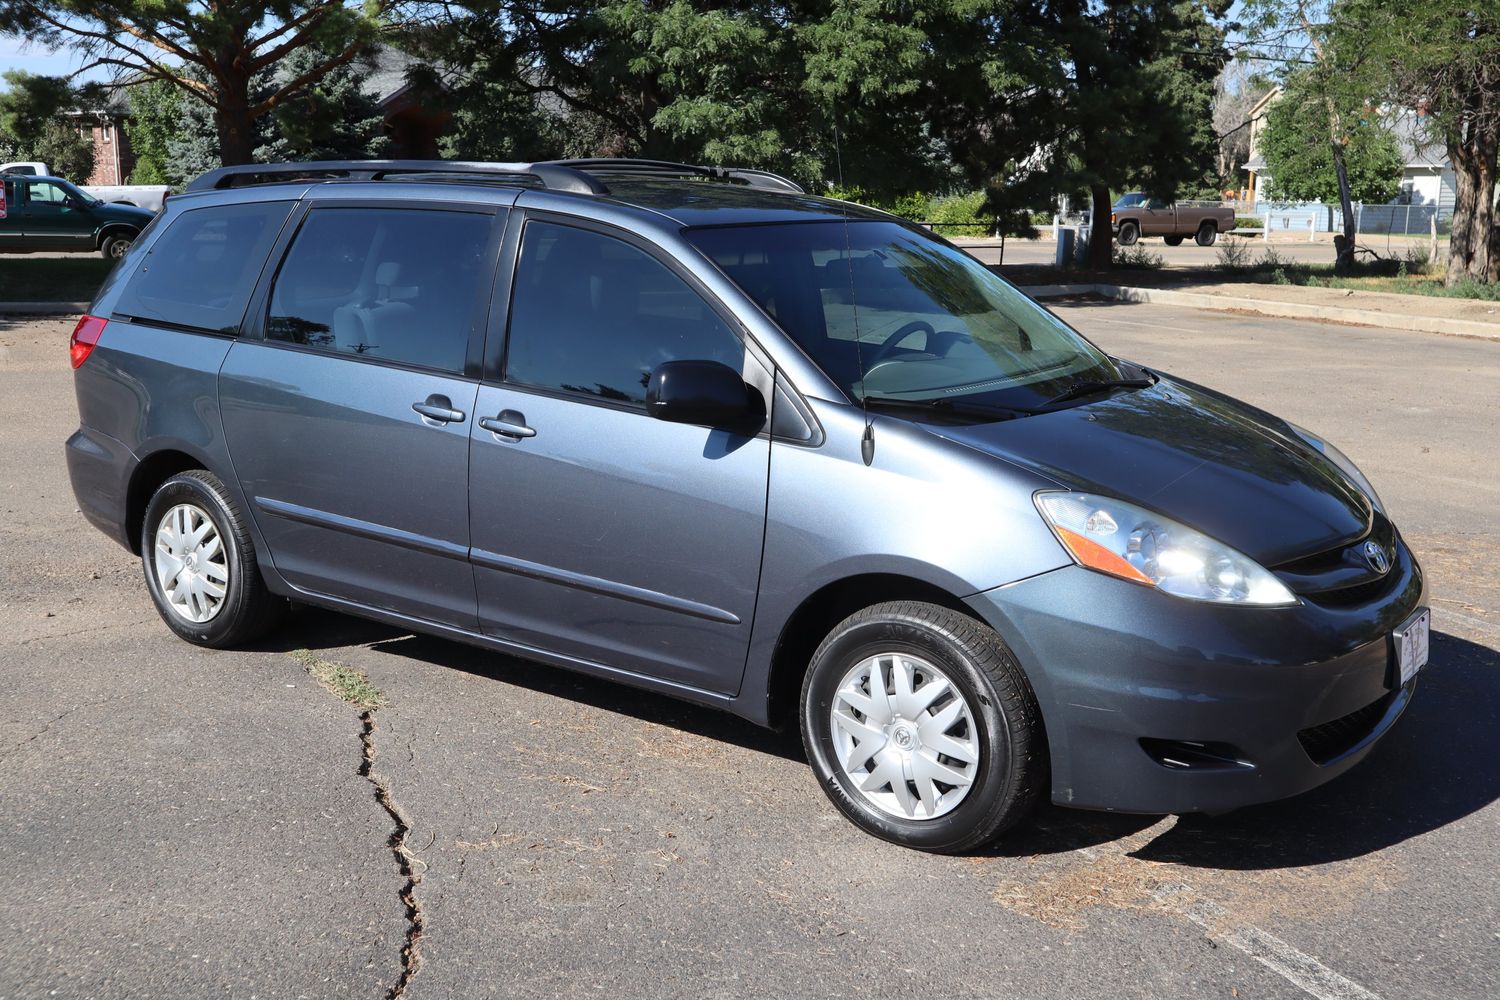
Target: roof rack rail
x=625 y=167
x=551 y=176
x=576 y=176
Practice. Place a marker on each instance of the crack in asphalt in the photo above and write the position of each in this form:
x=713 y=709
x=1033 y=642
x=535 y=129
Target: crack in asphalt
x=82 y=631
x=406 y=861
x=50 y=723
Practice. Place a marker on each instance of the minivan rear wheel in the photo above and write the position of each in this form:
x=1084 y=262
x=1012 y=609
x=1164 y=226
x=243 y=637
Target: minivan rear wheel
x=200 y=564
x=922 y=728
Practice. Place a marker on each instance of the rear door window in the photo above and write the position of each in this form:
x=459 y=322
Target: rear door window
x=402 y=285
x=200 y=272
x=593 y=315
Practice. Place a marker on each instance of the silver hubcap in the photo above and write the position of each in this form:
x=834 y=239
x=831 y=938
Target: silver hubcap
x=904 y=736
x=190 y=563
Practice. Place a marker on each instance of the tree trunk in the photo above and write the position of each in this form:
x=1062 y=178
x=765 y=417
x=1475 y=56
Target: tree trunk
x=1101 y=238
x=232 y=116
x=1474 y=246
x=1344 y=262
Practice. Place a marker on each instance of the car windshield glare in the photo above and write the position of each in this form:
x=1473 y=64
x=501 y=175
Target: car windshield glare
x=887 y=312
x=1132 y=200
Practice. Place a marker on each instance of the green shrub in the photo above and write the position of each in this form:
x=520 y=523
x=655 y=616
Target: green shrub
x=1248 y=222
x=1138 y=257
x=959 y=215
x=1234 y=255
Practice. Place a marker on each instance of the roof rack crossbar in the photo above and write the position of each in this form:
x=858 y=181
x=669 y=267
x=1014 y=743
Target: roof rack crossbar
x=553 y=176
x=575 y=176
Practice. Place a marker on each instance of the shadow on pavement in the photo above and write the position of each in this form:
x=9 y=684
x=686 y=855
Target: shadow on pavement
x=316 y=629
x=1434 y=768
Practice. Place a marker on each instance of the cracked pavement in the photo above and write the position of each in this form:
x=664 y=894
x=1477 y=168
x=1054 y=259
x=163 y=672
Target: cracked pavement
x=183 y=823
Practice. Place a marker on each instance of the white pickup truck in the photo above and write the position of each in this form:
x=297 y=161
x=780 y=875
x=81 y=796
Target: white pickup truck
x=149 y=196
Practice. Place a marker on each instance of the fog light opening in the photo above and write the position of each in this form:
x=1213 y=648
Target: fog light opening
x=1192 y=755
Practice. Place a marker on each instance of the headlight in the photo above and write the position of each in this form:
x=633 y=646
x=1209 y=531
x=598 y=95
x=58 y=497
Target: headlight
x=1141 y=546
x=1342 y=462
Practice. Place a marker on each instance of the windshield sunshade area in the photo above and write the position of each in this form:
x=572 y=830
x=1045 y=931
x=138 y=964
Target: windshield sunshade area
x=934 y=325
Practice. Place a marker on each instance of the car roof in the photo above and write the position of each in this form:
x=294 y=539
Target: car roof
x=695 y=203
x=690 y=196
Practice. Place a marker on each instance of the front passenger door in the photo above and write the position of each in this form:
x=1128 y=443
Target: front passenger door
x=599 y=532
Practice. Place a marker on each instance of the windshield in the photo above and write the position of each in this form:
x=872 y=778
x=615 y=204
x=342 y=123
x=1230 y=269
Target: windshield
x=1131 y=200
x=934 y=324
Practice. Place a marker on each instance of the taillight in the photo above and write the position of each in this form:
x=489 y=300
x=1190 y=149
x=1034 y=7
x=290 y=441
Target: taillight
x=85 y=336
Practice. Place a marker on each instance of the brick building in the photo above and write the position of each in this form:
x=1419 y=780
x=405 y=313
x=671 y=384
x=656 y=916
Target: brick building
x=113 y=159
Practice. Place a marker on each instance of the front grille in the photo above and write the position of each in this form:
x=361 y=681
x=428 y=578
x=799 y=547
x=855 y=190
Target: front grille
x=1330 y=741
x=1343 y=576
x=1357 y=594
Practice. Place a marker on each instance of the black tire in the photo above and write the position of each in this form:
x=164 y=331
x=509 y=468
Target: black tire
x=1012 y=769
x=1172 y=241
x=247 y=608
x=114 y=245
x=1207 y=234
x=1129 y=234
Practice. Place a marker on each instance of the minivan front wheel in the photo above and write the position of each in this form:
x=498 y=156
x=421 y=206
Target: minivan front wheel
x=200 y=563
x=922 y=728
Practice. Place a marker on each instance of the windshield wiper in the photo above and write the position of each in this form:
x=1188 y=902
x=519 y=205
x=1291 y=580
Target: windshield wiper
x=945 y=407
x=1094 y=386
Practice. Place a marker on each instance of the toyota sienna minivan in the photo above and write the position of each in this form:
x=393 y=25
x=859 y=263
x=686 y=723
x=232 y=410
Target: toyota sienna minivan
x=695 y=430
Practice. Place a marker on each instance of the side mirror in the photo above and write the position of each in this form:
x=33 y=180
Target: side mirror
x=702 y=392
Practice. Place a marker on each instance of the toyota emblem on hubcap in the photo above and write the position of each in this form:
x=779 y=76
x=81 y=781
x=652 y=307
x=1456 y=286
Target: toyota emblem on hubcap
x=1376 y=557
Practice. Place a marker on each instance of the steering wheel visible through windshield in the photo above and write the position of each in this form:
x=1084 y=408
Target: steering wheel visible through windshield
x=893 y=314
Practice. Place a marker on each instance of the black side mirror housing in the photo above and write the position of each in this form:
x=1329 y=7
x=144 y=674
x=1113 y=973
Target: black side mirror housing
x=702 y=392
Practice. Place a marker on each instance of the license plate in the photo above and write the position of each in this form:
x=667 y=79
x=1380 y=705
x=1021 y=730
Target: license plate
x=1412 y=642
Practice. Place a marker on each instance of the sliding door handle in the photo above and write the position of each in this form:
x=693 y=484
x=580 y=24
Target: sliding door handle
x=440 y=408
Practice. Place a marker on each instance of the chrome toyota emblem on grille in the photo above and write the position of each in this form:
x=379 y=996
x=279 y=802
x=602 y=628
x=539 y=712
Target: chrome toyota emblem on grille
x=1376 y=557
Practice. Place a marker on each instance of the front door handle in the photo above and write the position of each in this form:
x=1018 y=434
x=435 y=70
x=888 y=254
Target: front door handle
x=439 y=407
x=510 y=423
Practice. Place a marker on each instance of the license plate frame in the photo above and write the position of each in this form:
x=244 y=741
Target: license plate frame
x=1412 y=642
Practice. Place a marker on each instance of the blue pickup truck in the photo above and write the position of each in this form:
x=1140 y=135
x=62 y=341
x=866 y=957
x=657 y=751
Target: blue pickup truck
x=40 y=214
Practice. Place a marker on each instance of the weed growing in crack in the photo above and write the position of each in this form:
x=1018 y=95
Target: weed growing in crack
x=347 y=683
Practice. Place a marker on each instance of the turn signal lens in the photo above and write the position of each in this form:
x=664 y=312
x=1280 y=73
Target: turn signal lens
x=85 y=336
x=1135 y=544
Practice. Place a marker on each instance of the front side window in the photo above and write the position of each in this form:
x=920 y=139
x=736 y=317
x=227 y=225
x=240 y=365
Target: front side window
x=889 y=313
x=594 y=315
x=48 y=193
x=399 y=285
x=201 y=270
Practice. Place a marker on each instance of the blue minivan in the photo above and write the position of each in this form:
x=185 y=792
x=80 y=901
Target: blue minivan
x=695 y=430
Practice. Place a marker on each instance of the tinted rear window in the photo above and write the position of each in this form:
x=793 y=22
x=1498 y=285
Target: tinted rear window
x=201 y=271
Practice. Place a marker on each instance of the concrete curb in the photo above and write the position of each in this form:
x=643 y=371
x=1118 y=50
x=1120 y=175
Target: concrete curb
x=42 y=308
x=1276 y=308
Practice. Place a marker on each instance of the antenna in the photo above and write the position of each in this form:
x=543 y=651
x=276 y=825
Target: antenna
x=867 y=440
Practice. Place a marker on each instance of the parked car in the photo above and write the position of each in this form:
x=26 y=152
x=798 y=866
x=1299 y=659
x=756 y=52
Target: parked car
x=40 y=214
x=151 y=196
x=694 y=430
x=1136 y=215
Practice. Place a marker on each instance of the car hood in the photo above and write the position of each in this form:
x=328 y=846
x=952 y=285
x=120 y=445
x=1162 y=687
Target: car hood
x=124 y=213
x=1218 y=465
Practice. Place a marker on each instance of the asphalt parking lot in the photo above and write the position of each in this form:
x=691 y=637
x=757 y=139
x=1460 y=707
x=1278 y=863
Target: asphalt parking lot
x=180 y=823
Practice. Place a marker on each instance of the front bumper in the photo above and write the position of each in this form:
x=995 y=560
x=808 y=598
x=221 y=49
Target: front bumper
x=1156 y=704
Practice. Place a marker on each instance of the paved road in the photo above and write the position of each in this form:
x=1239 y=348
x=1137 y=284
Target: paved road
x=1190 y=256
x=184 y=823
